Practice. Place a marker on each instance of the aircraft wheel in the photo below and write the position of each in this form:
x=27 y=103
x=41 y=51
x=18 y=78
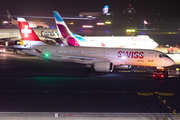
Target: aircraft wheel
x=87 y=70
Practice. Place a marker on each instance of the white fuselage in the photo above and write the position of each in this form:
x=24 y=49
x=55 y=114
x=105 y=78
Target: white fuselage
x=90 y=14
x=90 y=55
x=136 y=42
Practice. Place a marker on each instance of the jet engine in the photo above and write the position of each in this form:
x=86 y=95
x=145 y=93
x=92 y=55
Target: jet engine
x=103 y=66
x=124 y=67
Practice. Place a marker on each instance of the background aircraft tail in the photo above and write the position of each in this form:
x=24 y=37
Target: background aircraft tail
x=105 y=9
x=9 y=18
x=29 y=37
x=64 y=30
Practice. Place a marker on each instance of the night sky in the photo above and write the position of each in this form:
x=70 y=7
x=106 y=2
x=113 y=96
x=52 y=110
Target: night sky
x=73 y=7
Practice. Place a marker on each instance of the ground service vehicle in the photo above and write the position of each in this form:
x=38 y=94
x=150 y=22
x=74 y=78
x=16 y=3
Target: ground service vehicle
x=160 y=73
x=2 y=49
x=174 y=50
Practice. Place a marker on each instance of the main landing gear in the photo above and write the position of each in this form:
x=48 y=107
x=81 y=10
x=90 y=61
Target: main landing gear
x=87 y=69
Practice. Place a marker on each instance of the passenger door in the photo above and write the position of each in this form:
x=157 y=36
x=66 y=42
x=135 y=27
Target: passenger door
x=151 y=57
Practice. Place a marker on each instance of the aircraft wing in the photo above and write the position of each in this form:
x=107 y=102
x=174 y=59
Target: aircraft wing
x=82 y=60
x=8 y=38
x=17 y=48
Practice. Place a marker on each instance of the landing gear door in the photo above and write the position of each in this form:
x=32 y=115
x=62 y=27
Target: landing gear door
x=151 y=57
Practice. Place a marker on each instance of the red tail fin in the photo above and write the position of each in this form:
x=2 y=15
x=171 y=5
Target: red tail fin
x=27 y=32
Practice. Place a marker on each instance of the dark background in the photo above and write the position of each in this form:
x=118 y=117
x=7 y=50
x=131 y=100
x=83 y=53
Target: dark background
x=73 y=7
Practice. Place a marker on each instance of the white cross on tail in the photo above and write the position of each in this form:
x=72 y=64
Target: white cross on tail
x=26 y=30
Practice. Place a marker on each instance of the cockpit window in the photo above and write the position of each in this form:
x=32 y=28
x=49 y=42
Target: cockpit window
x=163 y=55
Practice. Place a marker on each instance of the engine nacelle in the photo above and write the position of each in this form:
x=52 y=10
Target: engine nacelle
x=124 y=67
x=103 y=66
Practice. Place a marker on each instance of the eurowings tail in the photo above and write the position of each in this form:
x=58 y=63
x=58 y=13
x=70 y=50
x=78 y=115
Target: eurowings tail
x=29 y=37
x=64 y=30
x=105 y=9
x=71 y=38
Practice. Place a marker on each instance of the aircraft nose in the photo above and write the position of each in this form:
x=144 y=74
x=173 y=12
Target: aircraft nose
x=171 y=62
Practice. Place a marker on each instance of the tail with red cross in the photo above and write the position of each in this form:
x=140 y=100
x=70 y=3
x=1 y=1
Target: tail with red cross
x=29 y=37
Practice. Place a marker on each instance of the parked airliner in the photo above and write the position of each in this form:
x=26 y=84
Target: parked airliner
x=65 y=37
x=33 y=24
x=102 y=59
x=141 y=42
x=95 y=14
